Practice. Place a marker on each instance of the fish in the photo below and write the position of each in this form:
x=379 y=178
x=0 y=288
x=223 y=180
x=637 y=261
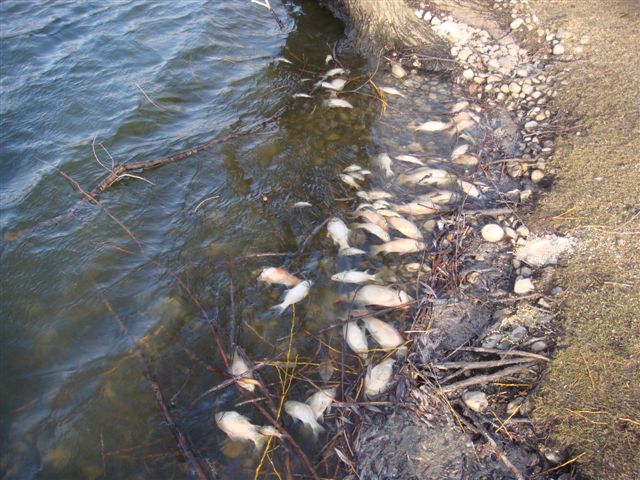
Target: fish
x=351 y=251
x=458 y=107
x=441 y=197
x=386 y=213
x=294 y=295
x=383 y=162
x=374 y=195
x=352 y=168
x=278 y=276
x=334 y=71
x=433 y=126
x=378 y=378
x=463 y=125
x=302 y=205
x=381 y=204
x=465 y=159
x=405 y=227
x=409 y=159
x=427 y=176
x=283 y=60
x=364 y=171
x=301 y=95
x=391 y=91
x=349 y=181
x=303 y=412
x=374 y=217
x=239 y=368
x=269 y=431
x=328 y=59
x=337 y=103
x=337 y=84
x=460 y=150
x=400 y=246
x=469 y=188
x=239 y=428
x=326 y=368
x=338 y=232
x=356 y=176
x=374 y=229
x=355 y=338
x=384 y=334
x=321 y=401
x=354 y=276
x=380 y=296
x=421 y=207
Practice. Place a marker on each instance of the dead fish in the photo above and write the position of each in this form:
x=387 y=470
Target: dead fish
x=465 y=159
x=338 y=232
x=405 y=227
x=336 y=84
x=391 y=91
x=374 y=195
x=427 y=176
x=384 y=334
x=357 y=176
x=283 y=60
x=334 y=71
x=337 y=103
x=302 y=205
x=409 y=159
x=279 y=276
x=374 y=229
x=460 y=150
x=303 y=412
x=371 y=216
x=328 y=59
x=269 y=431
x=400 y=246
x=380 y=204
x=351 y=251
x=380 y=296
x=352 y=168
x=441 y=197
x=378 y=378
x=418 y=208
x=326 y=369
x=433 y=126
x=239 y=428
x=349 y=181
x=458 y=107
x=364 y=171
x=321 y=401
x=294 y=295
x=354 y=276
x=355 y=338
x=239 y=368
x=387 y=212
x=464 y=125
x=383 y=162
x=469 y=188
x=301 y=95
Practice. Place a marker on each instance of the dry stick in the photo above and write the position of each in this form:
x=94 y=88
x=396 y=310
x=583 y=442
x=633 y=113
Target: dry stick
x=179 y=437
x=483 y=379
x=517 y=353
x=479 y=365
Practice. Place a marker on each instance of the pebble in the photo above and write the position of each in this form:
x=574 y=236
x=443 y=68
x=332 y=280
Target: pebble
x=511 y=233
x=476 y=401
x=514 y=87
x=539 y=346
x=530 y=125
x=465 y=53
x=516 y=24
x=522 y=231
x=468 y=74
x=537 y=176
x=397 y=71
x=492 y=341
x=523 y=286
x=558 y=49
x=492 y=232
x=518 y=334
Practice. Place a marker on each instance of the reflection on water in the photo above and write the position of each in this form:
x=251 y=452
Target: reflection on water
x=75 y=402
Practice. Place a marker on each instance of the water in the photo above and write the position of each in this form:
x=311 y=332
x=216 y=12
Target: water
x=146 y=79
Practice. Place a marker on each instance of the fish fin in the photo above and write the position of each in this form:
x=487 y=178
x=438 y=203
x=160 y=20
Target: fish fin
x=375 y=250
x=316 y=429
x=281 y=307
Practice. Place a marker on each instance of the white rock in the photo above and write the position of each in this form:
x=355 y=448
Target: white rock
x=537 y=176
x=523 y=286
x=514 y=87
x=530 y=125
x=427 y=16
x=522 y=72
x=516 y=24
x=397 y=71
x=527 y=89
x=476 y=401
x=522 y=231
x=492 y=232
x=468 y=74
x=538 y=346
x=558 y=49
x=464 y=54
x=584 y=40
x=546 y=250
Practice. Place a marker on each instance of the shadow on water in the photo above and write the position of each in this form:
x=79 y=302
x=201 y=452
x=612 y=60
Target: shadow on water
x=76 y=404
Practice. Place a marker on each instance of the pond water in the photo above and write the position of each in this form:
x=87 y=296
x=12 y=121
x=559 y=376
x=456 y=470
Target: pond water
x=136 y=80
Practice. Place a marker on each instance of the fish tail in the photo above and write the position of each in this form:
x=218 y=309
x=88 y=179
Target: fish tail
x=316 y=429
x=281 y=307
x=259 y=440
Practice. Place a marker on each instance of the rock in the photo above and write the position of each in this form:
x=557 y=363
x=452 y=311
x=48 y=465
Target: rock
x=476 y=401
x=511 y=233
x=522 y=72
x=522 y=231
x=493 y=64
x=537 y=176
x=468 y=74
x=492 y=232
x=397 y=71
x=492 y=341
x=558 y=49
x=523 y=286
x=584 y=40
x=516 y=24
x=514 y=405
x=514 y=87
x=545 y=250
x=527 y=89
x=464 y=54
x=530 y=125
x=538 y=346
x=526 y=272
x=518 y=334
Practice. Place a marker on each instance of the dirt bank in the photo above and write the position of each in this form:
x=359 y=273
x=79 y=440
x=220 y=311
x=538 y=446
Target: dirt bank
x=590 y=400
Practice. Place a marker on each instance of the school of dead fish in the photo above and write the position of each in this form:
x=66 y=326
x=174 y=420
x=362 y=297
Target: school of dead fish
x=390 y=221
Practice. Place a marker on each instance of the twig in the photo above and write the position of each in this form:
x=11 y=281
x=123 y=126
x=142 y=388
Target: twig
x=517 y=353
x=204 y=201
x=147 y=96
x=483 y=379
x=267 y=5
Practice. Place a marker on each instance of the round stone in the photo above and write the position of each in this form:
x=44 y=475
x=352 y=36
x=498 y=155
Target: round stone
x=558 y=49
x=523 y=286
x=397 y=71
x=514 y=87
x=538 y=346
x=492 y=232
x=537 y=176
x=468 y=74
x=476 y=401
x=516 y=24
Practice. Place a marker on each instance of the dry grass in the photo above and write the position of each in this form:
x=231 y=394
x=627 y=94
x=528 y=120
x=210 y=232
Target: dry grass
x=591 y=397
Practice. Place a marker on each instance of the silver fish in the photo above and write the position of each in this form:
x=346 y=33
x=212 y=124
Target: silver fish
x=302 y=205
x=239 y=368
x=380 y=296
x=351 y=251
x=400 y=246
x=374 y=195
x=391 y=91
x=337 y=103
x=433 y=126
x=355 y=338
x=383 y=161
x=374 y=229
x=338 y=232
x=303 y=412
x=279 y=276
x=239 y=428
x=337 y=84
x=378 y=378
x=409 y=159
x=405 y=227
x=294 y=295
x=354 y=276
x=384 y=334
x=349 y=180
x=321 y=401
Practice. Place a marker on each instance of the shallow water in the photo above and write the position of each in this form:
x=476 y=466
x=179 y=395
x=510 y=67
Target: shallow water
x=146 y=79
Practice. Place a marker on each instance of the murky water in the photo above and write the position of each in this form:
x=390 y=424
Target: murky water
x=146 y=79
